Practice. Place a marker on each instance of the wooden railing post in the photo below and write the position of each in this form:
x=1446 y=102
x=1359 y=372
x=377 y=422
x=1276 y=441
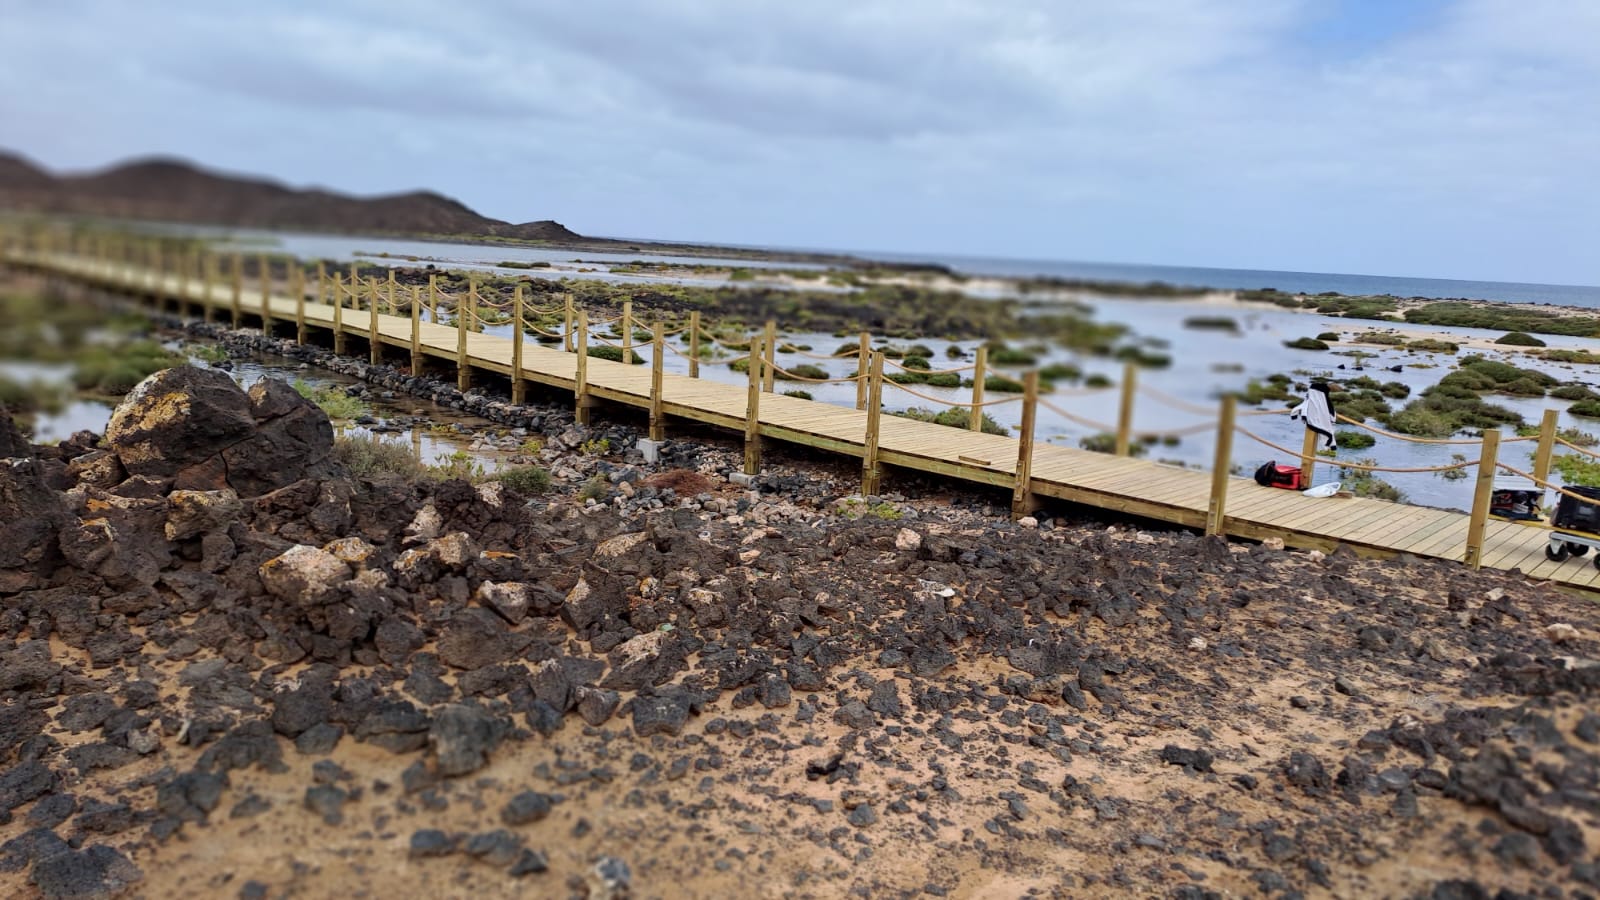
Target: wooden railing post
x=266 y=284
x=770 y=363
x=266 y=304
x=1547 y=445
x=322 y=280
x=752 y=410
x=567 y=320
x=1130 y=382
x=1308 y=456
x=1022 y=488
x=209 y=277
x=627 y=332
x=416 y=330
x=694 y=344
x=466 y=308
x=374 y=335
x=580 y=389
x=863 y=364
x=338 y=312
x=980 y=371
x=1217 y=506
x=298 y=288
x=518 y=386
x=1481 y=497
x=433 y=299
x=393 y=309
x=238 y=290
x=658 y=353
x=870 y=473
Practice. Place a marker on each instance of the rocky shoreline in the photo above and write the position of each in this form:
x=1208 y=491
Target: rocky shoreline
x=226 y=665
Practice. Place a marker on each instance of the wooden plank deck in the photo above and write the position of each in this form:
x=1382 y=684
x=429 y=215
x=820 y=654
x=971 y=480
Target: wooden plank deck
x=1138 y=487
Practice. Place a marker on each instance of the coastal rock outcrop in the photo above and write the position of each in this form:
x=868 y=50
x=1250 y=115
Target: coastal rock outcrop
x=200 y=430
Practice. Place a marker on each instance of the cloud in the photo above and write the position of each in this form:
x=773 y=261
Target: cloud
x=1287 y=133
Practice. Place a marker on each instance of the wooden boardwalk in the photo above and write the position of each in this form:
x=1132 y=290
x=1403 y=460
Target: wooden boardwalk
x=1133 y=486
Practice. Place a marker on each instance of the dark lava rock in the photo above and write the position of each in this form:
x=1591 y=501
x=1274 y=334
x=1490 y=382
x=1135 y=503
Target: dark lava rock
x=318 y=739
x=23 y=850
x=294 y=712
x=497 y=848
x=326 y=801
x=52 y=810
x=34 y=516
x=1198 y=760
x=476 y=638
x=104 y=818
x=660 y=714
x=463 y=737
x=596 y=705
x=645 y=661
x=862 y=816
x=191 y=796
x=12 y=443
x=885 y=699
x=98 y=871
x=531 y=862
x=396 y=639
x=431 y=842
x=197 y=427
x=24 y=782
x=855 y=715
x=1306 y=772
x=396 y=726
x=525 y=808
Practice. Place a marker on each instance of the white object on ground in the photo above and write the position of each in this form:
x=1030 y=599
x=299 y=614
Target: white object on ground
x=1323 y=490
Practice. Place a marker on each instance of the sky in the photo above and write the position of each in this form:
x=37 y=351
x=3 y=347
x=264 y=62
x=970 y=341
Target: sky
x=1439 y=138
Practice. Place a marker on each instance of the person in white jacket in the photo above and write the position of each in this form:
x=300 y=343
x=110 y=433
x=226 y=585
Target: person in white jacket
x=1317 y=411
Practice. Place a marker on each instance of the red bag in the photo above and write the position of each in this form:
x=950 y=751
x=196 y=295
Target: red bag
x=1273 y=475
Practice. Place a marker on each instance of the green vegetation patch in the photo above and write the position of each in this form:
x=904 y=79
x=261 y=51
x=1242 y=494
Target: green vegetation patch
x=1501 y=318
x=956 y=417
x=332 y=400
x=1306 y=343
x=1519 y=339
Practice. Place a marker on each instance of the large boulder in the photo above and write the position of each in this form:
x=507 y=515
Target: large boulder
x=202 y=431
x=31 y=517
x=12 y=443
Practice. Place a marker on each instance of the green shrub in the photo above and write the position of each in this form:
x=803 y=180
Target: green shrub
x=801 y=372
x=916 y=362
x=1212 y=323
x=954 y=351
x=332 y=400
x=1581 y=357
x=1096 y=380
x=798 y=395
x=1328 y=336
x=1577 y=470
x=1354 y=440
x=1256 y=392
x=1105 y=442
x=1005 y=356
x=955 y=417
x=922 y=350
x=1305 y=343
x=116 y=370
x=1573 y=392
x=1519 y=339
x=368 y=456
x=1061 y=372
x=1379 y=337
x=605 y=351
x=1420 y=421
x=596 y=488
x=1589 y=409
x=27 y=398
x=525 y=479
x=1429 y=345
x=1395 y=390
x=1366 y=484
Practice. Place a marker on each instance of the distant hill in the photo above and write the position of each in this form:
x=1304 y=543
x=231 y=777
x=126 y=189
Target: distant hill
x=176 y=191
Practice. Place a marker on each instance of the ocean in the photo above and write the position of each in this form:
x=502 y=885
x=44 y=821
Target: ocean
x=1293 y=282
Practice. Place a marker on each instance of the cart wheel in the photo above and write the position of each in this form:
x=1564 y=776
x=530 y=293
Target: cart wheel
x=1577 y=549
x=1559 y=553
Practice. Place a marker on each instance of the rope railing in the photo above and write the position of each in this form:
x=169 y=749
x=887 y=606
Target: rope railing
x=948 y=402
x=1543 y=483
x=1584 y=450
x=1177 y=403
x=905 y=368
x=852 y=353
x=1081 y=420
x=1420 y=440
x=1288 y=453
x=791 y=376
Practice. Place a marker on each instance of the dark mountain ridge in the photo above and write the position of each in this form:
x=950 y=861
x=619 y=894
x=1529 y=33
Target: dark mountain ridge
x=172 y=190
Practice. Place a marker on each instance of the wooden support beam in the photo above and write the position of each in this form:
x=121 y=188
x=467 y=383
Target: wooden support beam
x=374 y=337
x=266 y=307
x=694 y=344
x=658 y=353
x=416 y=330
x=752 y=409
x=1481 y=497
x=980 y=371
x=1547 y=445
x=466 y=308
x=238 y=290
x=266 y=280
x=627 y=332
x=433 y=299
x=580 y=390
x=338 y=312
x=1308 y=456
x=212 y=265
x=568 y=319
x=1130 y=383
x=518 y=385
x=297 y=286
x=863 y=363
x=1022 y=489
x=1217 y=505
x=871 y=472
x=770 y=362
x=322 y=280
